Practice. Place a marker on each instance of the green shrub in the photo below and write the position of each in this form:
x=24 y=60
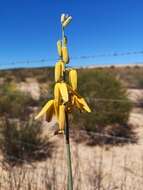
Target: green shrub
x=13 y=102
x=107 y=99
x=22 y=141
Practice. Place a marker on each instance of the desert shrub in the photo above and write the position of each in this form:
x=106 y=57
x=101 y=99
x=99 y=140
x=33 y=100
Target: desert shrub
x=13 y=102
x=112 y=67
x=140 y=102
x=107 y=99
x=22 y=141
x=46 y=93
x=45 y=75
x=18 y=75
x=140 y=82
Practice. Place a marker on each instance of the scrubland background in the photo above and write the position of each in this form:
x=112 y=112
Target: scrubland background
x=106 y=145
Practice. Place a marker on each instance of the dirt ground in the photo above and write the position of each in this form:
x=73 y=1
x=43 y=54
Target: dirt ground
x=114 y=167
x=106 y=167
x=94 y=167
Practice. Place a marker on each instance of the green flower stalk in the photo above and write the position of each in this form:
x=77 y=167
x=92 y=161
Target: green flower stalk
x=65 y=94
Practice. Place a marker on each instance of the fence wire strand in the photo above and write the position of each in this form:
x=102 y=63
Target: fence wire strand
x=43 y=61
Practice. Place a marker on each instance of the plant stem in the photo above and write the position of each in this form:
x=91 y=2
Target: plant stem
x=69 y=165
x=67 y=141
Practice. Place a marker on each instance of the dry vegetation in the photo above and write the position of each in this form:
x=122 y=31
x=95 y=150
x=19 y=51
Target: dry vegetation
x=106 y=145
x=100 y=168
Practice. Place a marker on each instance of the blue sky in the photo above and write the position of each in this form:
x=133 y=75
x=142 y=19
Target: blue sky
x=29 y=30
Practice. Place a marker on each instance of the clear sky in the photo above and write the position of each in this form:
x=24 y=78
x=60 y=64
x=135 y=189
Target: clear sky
x=29 y=30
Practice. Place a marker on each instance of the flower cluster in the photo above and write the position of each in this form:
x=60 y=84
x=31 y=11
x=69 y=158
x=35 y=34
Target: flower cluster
x=66 y=96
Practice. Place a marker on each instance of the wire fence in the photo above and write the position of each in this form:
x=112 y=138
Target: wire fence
x=94 y=171
x=44 y=61
x=91 y=178
x=52 y=135
x=90 y=170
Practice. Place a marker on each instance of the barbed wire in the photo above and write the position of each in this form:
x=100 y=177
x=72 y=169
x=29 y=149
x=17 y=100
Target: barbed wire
x=43 y=61
x=30 y=165
x=92 y=133
x=51 y=136
x=25 y=161
x=110 y=100
x=129 y=140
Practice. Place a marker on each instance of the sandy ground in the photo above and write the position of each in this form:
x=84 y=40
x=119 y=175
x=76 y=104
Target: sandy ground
x=135 y=94
x=30 y=87
x=106 y=167
x=94 y=167
x=116 y=167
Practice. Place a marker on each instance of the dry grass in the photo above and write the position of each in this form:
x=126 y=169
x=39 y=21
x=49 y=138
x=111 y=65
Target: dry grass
x=106 y=167
x=103 y=171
